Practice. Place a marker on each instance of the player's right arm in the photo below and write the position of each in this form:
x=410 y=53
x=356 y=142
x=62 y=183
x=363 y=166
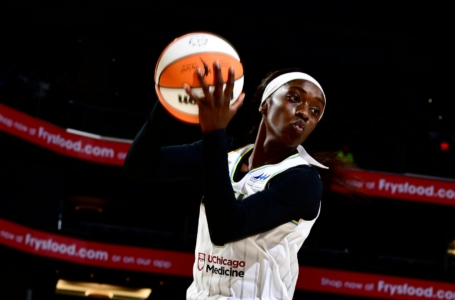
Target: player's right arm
x=148 y=159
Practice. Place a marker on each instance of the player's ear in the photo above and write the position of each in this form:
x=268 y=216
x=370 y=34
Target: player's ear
x=263 y=107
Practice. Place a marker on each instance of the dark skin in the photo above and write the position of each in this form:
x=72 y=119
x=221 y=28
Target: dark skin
x=215 y=110
x=289 y=115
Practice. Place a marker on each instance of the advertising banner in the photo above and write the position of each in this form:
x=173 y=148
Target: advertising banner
x=57 y=139
x=180 y=264
x=385 y=185
x=113 y=152
x=372 y=285
x=95 y=254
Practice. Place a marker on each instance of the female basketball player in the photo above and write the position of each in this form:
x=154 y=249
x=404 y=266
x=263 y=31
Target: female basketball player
x=260 y=201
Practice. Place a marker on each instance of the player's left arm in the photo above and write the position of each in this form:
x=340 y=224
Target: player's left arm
x=151 y=159
x=292 y=195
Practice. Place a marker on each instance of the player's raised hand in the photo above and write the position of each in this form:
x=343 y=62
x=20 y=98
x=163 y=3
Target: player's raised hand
x=215 y=108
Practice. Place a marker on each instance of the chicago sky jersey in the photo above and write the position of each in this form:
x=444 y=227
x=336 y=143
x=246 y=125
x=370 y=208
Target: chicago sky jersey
x=262 y=266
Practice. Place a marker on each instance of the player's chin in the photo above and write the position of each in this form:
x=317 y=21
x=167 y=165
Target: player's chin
x=298 y=137
x=294 y=143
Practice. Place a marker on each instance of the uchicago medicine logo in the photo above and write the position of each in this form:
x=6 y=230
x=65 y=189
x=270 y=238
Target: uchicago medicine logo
x=200 y=261
x=220 y=265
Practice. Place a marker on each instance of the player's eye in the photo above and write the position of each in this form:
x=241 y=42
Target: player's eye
x=293 y=97
x=315 y=111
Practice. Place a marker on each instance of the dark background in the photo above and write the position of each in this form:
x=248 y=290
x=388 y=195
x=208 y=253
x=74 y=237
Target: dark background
x=379 y=62
x=89 y=65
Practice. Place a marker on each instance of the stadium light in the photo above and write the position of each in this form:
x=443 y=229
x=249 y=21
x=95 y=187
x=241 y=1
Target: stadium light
x=444 y=146
x=107 y=291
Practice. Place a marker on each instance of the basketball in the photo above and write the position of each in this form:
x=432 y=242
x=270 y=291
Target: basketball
x=177 y=65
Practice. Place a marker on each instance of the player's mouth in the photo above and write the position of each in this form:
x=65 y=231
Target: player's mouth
x=299 y=125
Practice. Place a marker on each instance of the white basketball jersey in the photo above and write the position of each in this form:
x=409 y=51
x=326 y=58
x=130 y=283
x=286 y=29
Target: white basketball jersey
x=263 y=266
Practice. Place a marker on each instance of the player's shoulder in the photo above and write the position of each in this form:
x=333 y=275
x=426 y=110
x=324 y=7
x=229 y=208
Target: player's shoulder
x=302 y=171
x=302 y=188
x=300 y=176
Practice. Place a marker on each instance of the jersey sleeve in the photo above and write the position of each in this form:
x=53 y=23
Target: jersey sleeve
x=150 y=159
x=291 y=195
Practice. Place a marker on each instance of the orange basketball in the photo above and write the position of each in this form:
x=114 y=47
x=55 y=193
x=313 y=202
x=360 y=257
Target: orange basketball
x=177 y=65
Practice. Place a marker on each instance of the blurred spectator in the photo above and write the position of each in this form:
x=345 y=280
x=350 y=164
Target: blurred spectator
x=345 y=155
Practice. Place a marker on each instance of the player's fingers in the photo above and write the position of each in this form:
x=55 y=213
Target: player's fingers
x=204 y=85
x=191 y=94
x=218 y=81
x=234 y=107
x=228 y=90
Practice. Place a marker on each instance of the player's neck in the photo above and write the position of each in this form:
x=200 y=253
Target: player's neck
x=266 y=152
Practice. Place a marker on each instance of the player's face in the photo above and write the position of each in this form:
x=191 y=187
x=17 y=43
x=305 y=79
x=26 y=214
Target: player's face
x=292 y=112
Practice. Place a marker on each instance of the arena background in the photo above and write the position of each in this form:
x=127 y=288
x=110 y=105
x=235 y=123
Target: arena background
x=387 y=71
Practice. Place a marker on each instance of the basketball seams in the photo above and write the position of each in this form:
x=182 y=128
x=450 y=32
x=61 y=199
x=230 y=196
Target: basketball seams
x=217 y=42
x=177 y=64
x=233 y=60
x=180 y=88
x=189 y=118
x=178 y=110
